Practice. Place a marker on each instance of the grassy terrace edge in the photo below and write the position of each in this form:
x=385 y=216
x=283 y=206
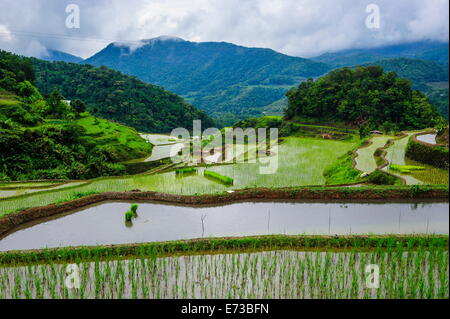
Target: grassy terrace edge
x=225 y=245
x=11 y=221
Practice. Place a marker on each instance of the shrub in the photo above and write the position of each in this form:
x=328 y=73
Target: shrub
x=379 y=177
x=433 y=155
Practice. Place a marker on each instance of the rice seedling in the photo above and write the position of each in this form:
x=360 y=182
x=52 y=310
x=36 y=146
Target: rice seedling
x=405 y=169
x=218 y=177
x=129 y=215
x=414 y=268
x=186 y=171
x=301 y=161
x=134 y=208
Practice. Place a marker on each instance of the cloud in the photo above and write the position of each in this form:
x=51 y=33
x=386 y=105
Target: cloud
x=295 y=27
x=32 y=47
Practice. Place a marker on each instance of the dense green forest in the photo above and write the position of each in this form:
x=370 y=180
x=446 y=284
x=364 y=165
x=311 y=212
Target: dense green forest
x=228 y=81
x=113 y=95
x=425 y=63
x=363 y=97
x=48 y=138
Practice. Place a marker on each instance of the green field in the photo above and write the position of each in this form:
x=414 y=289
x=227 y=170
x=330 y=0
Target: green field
x=301 y=162
x=396 y=154
x=431 y=175
x=125 y=141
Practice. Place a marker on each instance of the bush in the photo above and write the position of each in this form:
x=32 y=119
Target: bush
x=379 y=177
x=433 y=155
x=342 y=172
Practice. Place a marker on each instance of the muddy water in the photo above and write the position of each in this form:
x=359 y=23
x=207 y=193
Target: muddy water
x=104 y=224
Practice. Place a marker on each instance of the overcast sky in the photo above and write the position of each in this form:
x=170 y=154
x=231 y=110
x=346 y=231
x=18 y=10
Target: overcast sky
x=295 y=27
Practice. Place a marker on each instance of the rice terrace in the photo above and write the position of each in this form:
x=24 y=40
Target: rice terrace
x=172 y=169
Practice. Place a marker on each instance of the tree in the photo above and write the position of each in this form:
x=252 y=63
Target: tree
x=362 y=95
x=364 y=131
x=57 y=107
x=79 y=106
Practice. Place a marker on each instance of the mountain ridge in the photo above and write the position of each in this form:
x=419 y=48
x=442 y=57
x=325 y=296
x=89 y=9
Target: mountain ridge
x=220 y=78
x=60 y=56
x=426 y=50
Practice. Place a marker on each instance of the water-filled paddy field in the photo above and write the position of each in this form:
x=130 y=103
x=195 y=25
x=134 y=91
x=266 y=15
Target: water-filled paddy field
x=365 y=161
x=404 y=273
x=301 y=161
x=104 y=224
x=427 y=138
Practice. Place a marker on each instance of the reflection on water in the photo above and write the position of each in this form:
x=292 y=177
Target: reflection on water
x=427 y=138
x=104 y=224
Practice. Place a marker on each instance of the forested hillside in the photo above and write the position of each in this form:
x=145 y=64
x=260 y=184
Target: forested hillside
x=420 y=72
x=46 y=138
x=116 y=96
x=229 y=82
x=364 y=96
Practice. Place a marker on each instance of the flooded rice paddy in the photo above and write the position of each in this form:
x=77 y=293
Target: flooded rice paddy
x=105 y=224
x=427 y=138
x=269 y=275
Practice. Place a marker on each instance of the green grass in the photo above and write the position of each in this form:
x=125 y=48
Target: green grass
x=125 y=141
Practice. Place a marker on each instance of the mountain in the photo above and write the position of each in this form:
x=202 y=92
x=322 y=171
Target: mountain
x=420 y=72
x=227 y=81
x=54 y=55
x=116 y=96
x=425 y=50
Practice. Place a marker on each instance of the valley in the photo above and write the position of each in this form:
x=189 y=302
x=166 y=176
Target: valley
x=92 y=179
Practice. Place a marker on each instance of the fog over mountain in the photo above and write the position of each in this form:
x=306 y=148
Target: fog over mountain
x=303 y=28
